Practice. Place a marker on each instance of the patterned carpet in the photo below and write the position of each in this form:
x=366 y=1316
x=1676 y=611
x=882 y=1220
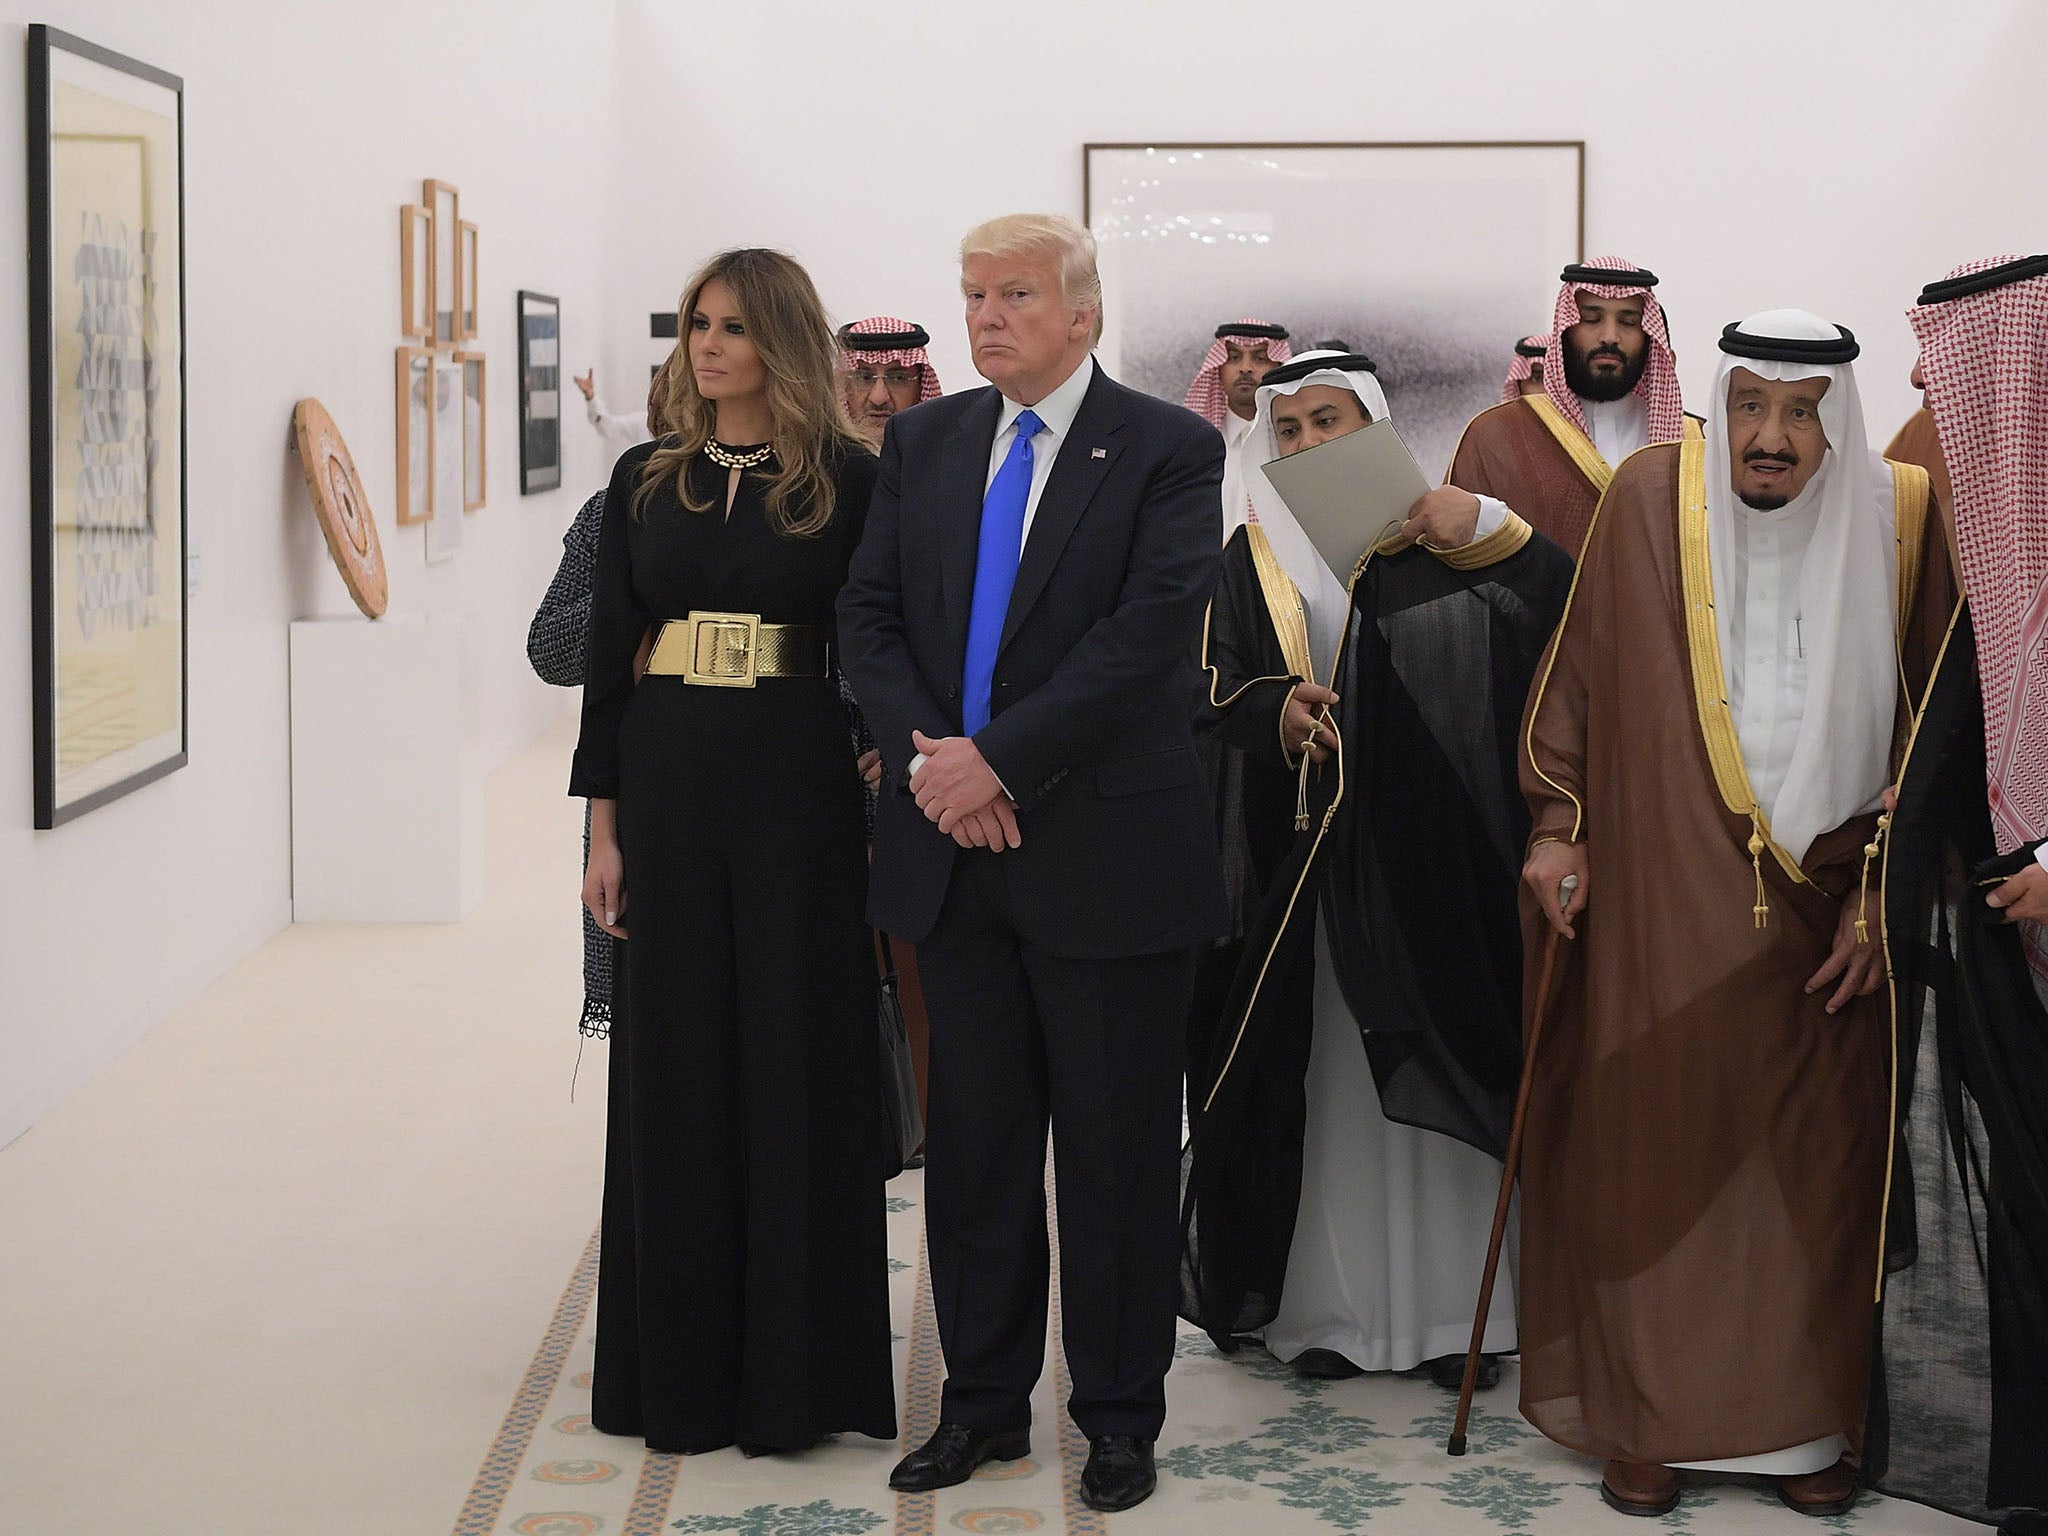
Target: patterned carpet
x=1250 y=1447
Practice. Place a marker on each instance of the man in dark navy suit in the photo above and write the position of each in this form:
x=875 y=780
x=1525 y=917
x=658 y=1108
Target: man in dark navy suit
x=1019 y=626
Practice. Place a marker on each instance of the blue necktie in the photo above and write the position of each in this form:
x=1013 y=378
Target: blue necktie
x=995 y=571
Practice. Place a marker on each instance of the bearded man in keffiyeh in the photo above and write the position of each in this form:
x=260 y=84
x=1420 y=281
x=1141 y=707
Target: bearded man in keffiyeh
x=1962 y=1417
x=1224 y=393
x=1610 y=386
x=886 y=371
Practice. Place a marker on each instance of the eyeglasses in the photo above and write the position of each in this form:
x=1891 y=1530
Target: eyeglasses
x=895 y=378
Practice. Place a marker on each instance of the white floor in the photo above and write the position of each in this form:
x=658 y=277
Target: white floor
x=283 y=1268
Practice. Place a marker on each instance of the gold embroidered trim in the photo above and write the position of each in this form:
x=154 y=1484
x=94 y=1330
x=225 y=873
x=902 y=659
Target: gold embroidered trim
x=1283 y=603
x=1709 y=681
x=1911 y=486
x=1508 y=539
x=1584 y=456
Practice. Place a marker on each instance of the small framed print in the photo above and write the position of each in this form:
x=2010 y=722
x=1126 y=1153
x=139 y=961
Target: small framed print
x=466 y=281
x=415 y=434
x=473 y=465
x=416 y=272
x=444 y=528
x=540 y=397
x=444 y=203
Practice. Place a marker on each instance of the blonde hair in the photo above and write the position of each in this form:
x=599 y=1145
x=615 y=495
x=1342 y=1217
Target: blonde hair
x=785 y=321
x=1045 y=234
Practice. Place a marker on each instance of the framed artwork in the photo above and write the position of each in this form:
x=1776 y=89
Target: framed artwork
x=472 y=364
x=540 y=397
x=444 y=203
x=106 y=280
x=466 y=281
x=1430 y=258
x=415 y=399
x=444 y=528
x=416 y=272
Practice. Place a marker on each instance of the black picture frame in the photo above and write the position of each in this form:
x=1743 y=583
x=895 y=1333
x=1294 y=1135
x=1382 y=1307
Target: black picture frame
x=55 y=803
x=539 y=320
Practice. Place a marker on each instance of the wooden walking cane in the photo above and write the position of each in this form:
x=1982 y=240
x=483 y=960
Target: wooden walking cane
x=1565 y=887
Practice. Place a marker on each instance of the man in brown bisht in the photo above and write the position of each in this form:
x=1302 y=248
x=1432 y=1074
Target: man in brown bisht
x=1706 y=748
x=1610 y=386
x=1917 y=442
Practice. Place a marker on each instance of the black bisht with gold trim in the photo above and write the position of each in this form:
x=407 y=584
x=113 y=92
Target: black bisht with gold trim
x=1412 y=856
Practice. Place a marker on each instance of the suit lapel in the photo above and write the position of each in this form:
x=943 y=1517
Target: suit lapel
x=1084 y=460
x=962 y=482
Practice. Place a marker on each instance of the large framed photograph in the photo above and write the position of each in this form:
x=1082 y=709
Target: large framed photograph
x=540 y=392
x=106 y=352
x=1432 y=259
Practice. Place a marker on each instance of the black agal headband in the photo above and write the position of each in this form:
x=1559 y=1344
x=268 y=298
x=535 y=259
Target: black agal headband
x=1254 y=332
x=882 y=341
x=1302 y=367
x=1843 y=348
x=2017 y=270
x=1610 y=277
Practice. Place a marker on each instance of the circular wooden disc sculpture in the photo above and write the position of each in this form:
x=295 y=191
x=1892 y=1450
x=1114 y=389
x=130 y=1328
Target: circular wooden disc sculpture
x=342 y=505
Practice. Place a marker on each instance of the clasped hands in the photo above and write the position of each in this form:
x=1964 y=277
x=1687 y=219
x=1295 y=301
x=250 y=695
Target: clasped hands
x=956 y=788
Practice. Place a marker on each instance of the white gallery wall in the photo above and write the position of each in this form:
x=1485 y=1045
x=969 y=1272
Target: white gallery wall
x=1831 y=154
x=307 y=126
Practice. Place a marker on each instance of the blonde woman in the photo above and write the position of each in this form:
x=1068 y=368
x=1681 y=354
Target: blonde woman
x=742 y=1293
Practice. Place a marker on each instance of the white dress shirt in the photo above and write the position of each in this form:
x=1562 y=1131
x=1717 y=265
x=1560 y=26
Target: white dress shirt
x=1236 y=499
x=621 y=427
x=1767 y=668
x=1618 y=427
x=1057 y=411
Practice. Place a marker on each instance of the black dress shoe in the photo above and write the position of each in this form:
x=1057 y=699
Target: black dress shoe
x=1119 y=1473
x=1325 y=1365
x=1448 y=1372
x=952 y=1454
x=2024 y=1522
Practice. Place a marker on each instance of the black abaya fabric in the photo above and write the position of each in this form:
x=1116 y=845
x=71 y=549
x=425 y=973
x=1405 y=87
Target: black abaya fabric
x=743 y=1279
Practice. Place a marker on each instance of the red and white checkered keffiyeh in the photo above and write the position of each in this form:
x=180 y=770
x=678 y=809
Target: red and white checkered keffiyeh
x=1985 y=358
x=1205 y=396
x=893 y=357
x=1658 y=386
x=1528 y=353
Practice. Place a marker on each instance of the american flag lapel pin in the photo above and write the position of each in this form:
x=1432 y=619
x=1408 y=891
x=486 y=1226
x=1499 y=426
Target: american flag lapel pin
x=1099 y=453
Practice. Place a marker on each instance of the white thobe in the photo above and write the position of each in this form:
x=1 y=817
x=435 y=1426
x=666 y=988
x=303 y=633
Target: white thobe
x=1766 y=671
x=1617 y=427
x=1392 y=1228
x=1236 y=499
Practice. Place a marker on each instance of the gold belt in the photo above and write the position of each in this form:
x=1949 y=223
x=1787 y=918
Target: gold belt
x=730 y=650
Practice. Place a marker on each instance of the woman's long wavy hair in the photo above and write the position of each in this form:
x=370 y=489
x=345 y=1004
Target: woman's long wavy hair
x=786 y=323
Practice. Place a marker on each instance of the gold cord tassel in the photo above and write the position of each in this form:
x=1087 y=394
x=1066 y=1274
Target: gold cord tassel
x=1301 y=794
x=1870 y=851
x=1762 y=910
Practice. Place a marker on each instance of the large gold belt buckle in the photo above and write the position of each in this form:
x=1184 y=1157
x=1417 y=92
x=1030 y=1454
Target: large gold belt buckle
x=723 y=649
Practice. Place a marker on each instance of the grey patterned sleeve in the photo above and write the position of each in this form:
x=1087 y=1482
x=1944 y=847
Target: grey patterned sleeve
x=556 y=640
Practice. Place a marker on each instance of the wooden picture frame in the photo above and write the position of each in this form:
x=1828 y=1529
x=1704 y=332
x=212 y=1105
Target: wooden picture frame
x=415 y=458
x=465 y=280
x=474 y=463
x=107 y=453
x=540 y=392
x=445 y=203
x=416 y=272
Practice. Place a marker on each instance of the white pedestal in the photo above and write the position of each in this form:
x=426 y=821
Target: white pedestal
x=387 y=817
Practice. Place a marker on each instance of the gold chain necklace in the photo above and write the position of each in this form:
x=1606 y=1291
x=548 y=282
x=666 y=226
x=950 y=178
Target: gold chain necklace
x=726 y=458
